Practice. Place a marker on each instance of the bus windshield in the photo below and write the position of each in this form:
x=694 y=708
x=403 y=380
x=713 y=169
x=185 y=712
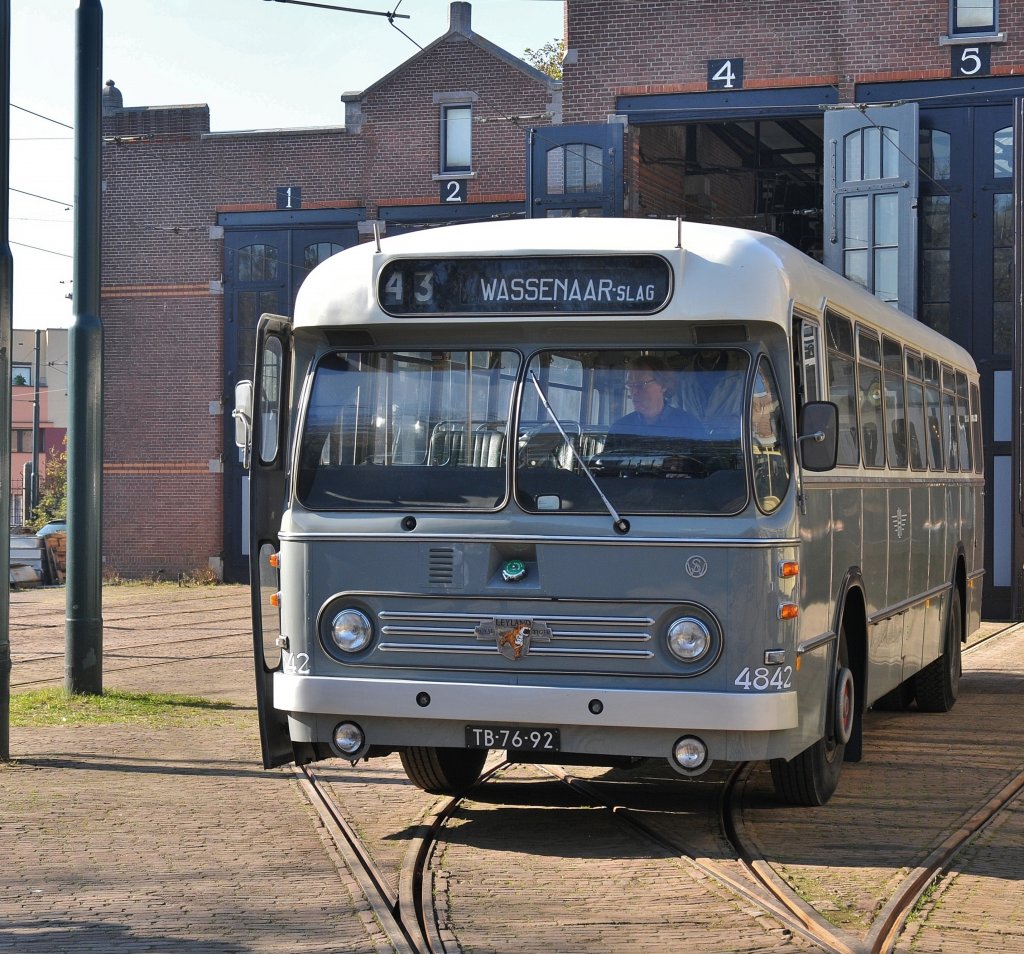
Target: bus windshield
x=659 y=431
x=653 y=431
x=409 y=429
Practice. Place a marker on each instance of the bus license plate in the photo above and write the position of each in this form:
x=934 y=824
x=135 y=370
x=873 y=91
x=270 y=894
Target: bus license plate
x=512 y=738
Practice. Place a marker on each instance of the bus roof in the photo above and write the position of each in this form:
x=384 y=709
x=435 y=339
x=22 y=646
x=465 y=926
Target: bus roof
x=720 y=274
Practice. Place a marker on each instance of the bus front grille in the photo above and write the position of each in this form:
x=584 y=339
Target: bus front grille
x=571 y=637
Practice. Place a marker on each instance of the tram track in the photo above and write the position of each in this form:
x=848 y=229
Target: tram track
x=406 y=914
x=406 y=911
x=411 y=911
x=765 y=887
x=111 y=670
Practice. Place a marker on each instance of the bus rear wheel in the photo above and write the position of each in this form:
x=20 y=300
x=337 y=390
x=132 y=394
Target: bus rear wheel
x=938 y=684
x=442 y=771
x=811 y=778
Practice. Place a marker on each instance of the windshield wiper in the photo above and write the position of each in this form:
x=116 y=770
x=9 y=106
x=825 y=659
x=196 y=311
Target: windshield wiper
x=620 y=524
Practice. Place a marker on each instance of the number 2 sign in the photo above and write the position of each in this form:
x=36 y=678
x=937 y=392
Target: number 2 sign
x=725 y=74
x=453 y=191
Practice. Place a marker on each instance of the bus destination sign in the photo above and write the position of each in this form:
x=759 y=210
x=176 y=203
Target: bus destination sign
x=554 y=284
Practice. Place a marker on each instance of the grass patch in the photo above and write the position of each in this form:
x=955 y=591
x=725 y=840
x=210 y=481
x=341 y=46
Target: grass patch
x=42 y=707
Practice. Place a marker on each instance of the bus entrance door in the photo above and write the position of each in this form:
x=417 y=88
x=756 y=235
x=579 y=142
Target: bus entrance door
x=267 y=488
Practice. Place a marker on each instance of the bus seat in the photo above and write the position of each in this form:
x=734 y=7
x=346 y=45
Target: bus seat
x=489 y=444
x=446 y=443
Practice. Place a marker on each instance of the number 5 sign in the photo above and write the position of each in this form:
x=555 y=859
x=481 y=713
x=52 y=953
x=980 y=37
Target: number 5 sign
x=725 y=74
x=970 y=60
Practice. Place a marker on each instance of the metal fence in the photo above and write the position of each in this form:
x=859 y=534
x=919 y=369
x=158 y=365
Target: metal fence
x=18 y=508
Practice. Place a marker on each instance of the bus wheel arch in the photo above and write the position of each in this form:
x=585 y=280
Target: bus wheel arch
x=812 y=777
x=937 y=686
x=853 y=629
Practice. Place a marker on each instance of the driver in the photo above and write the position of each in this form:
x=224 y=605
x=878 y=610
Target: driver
x=649 y=383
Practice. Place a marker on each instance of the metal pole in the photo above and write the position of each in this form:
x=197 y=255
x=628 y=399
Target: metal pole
x=83 y=643
x=6 y=334
x=33 y=492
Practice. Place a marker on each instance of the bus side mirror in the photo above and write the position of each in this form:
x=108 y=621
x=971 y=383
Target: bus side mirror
x=243 y=419
x=819 y=436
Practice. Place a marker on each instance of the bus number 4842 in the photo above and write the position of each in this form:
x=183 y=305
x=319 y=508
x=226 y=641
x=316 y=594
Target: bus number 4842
x=763 y=678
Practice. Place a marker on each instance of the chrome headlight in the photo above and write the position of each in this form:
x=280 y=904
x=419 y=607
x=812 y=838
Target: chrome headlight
x=688 y=639
x=351 y=630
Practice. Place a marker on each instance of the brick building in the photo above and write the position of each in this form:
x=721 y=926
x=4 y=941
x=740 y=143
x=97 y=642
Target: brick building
x=665 y=109
x=704 y=113
x=203 y=231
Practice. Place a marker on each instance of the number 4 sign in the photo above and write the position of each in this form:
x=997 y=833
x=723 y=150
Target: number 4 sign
x=725 y=74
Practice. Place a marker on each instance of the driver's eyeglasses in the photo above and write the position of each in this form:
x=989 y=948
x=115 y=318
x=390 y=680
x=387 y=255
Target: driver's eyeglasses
x=638 y=385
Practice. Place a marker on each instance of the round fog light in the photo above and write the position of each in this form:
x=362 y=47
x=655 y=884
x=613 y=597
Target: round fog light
x=351 y=630
x=690 y=753
x=348 y=738
x=688 y=639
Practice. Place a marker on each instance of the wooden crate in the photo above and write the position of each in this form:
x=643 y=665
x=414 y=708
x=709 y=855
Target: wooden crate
x=57 y=555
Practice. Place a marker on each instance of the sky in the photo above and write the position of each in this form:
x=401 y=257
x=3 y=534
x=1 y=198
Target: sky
x=259 y=64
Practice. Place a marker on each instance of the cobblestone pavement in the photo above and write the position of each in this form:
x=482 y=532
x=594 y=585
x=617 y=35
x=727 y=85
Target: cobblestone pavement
x=125 y=838
x=121 y=838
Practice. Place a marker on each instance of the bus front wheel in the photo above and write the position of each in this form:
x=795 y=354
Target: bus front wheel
x=442 y=771
x=812 y=777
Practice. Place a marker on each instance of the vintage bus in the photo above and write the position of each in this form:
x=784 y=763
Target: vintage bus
x=594 y=491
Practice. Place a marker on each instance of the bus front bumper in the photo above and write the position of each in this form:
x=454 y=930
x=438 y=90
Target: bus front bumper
x=537 y=705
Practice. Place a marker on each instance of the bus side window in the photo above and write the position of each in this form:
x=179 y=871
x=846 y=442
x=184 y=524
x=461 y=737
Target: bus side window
x=963 y=418
x=869 y=379
x=917 y=429
x=842 y=387
x=931 y=377
x=895 y=403
x=950 y=438
x=767 y=440
x=808 y=362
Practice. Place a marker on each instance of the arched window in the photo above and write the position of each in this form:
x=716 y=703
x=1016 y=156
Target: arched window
x=257 y=263
x=872 y=153
x=575 y=167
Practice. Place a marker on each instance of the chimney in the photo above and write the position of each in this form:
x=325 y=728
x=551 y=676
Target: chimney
x=460 y=18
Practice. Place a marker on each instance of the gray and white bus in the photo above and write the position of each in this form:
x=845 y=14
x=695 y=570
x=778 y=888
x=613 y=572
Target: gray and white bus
x=592 y=490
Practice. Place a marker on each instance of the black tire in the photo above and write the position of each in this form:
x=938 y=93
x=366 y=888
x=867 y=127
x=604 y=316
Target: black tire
x=443 y=771
x=897 y=700
x=938 y=684
x=811 y=778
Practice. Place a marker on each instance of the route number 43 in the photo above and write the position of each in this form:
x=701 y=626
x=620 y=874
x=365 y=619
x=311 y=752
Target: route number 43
x=725 y=74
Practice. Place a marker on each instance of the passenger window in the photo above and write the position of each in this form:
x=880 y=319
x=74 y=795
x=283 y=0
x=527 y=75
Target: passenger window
x=979 y=458
x=963 y=422
x=895 y=408
x=917 y=430
x=949 y=429
x=767 y=441
x=869 y=380
x=841 y=386
x=934 y=405
x=809 y=362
